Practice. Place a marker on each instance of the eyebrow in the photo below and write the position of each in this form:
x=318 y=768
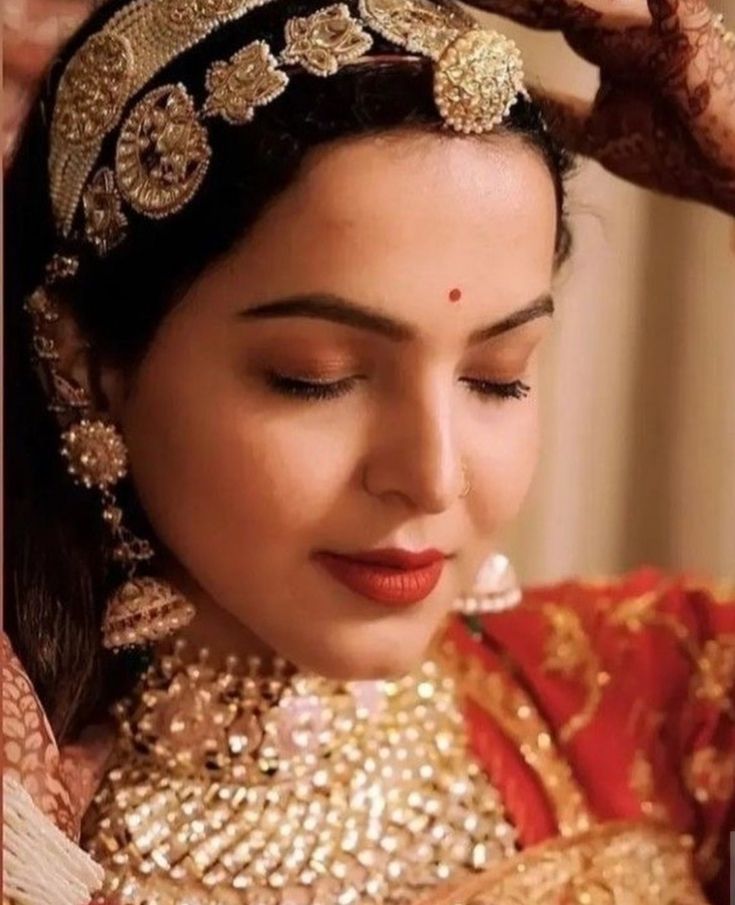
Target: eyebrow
x=330 y=307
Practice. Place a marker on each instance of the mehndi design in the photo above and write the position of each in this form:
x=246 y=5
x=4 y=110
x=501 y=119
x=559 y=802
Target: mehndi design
x=664 y=114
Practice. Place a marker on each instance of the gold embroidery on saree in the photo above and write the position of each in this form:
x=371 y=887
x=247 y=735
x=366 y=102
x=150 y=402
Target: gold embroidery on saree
x=710 y=774
x=569 y=652
x=614 y=864
x=519 y=719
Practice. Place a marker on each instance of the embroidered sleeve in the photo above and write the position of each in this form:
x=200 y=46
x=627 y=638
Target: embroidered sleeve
x=30 y=754
x=42 y=864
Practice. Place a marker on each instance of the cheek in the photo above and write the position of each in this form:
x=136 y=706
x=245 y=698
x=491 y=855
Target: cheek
x=234 y=490
x=506 y=463
x=205 y=470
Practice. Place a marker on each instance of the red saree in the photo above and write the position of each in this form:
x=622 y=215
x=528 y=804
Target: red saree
x=603 y=712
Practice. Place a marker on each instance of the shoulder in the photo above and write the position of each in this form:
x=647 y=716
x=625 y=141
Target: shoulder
x=647 y=620
x=635 y=679
x=646 y=642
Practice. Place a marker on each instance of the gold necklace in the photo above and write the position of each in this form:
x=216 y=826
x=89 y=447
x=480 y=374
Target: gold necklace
x=231 y=786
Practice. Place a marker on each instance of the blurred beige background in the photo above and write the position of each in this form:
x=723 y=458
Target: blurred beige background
x=639 y=390
x=638 y=463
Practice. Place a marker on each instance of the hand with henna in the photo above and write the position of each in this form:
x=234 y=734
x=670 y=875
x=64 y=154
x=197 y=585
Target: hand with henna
x=664 y=113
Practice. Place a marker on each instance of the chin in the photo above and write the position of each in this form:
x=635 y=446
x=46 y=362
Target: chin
x=363 y=656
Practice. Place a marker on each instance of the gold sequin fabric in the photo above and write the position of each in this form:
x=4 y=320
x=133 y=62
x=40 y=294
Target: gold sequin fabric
x=229 y=786
x=618 y=863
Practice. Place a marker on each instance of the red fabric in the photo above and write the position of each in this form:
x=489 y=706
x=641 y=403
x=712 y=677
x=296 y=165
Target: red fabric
x=658 y=740
x=653 y=661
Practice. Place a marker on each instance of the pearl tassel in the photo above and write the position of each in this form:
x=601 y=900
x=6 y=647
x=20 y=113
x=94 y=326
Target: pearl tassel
x=42 y=866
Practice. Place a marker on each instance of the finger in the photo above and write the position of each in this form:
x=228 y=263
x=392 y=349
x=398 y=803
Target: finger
x=542 y=14
x=695 y=70
x=620 y=52
x=569 y=15
x=568 y=117
x=670 y=15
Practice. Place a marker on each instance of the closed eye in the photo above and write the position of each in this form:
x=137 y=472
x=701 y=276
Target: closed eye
x=295 y=387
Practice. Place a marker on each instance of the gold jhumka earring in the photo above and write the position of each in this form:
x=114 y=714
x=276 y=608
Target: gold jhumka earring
x=143 y=609
x=496 y=587
x=110 y=163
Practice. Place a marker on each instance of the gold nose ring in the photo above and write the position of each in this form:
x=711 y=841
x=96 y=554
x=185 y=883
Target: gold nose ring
x=465 y=482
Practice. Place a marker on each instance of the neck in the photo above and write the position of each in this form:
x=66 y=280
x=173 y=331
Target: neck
x=212 y=626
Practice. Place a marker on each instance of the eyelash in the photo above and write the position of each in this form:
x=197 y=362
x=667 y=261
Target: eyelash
x=314 y=392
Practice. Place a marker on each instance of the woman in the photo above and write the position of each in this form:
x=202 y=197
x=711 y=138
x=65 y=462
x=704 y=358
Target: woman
x=285 y=269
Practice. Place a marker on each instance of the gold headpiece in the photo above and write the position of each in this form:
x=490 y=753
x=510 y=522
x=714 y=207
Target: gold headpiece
x=162 y=150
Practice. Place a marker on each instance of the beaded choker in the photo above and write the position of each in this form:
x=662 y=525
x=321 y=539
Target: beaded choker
x=230 y=785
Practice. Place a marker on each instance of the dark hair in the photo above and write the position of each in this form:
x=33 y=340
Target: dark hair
x=56 y=575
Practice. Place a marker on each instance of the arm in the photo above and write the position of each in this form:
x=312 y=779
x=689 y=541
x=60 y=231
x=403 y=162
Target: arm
x=664 y=114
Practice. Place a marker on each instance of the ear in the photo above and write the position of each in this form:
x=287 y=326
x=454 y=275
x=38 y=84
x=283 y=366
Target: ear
x=82 y=364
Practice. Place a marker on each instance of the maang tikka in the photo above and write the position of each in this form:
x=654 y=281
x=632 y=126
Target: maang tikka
x=142 y=609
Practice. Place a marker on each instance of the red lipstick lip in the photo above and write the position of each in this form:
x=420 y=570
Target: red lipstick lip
x=394 y=557
x=383 y=583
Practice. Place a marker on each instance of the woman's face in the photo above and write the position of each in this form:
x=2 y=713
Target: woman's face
x=369 y=276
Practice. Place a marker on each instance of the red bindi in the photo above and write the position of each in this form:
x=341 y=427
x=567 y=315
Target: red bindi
x=455 y=295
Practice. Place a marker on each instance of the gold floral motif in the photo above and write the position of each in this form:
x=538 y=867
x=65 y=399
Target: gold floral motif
x=162 y=152
x=518 y=718
x=614 y=864
x=714 y=679
x=93 y=89
x=418 y=25
x=144 y=36
x=326 y=40
x=249 y=785
x=187 y=15
x=568 y=652
x=101 y=95
x=710 y=774
x=636 y=613
x=96 y=453
x=60 y=268
x=248 y=80
x=477 y=80
x=104 y=220
x=567 y=647
x=642 y=782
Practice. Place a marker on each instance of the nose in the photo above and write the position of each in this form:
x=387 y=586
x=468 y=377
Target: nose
x=414 y=454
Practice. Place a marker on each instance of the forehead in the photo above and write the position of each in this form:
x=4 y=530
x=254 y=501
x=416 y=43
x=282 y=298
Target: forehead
x=403 y=220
